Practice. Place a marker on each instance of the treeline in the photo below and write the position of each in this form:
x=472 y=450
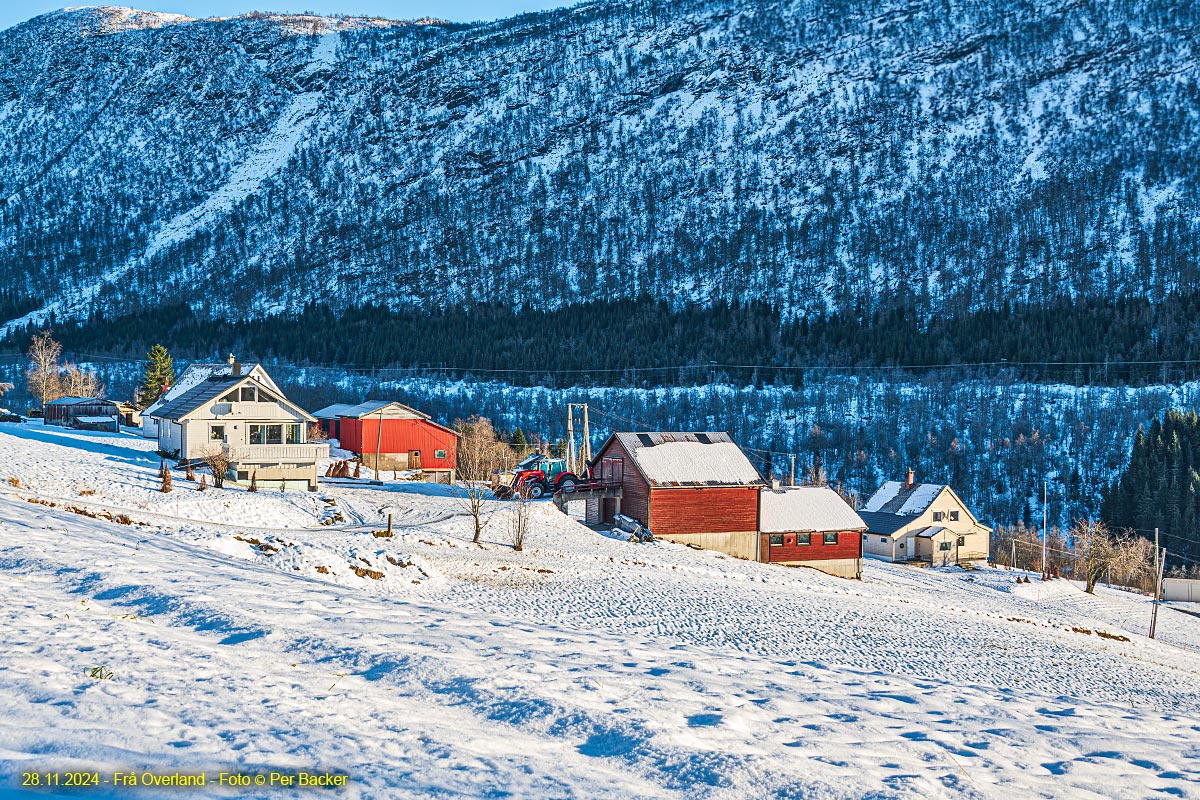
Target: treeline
x=1161 y=487
x=646 y=342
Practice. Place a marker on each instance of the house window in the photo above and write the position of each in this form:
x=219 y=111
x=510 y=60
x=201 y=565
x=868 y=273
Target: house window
x=954 y=516
x=938 y=516
x=257 y=434
x=293 y=434
x=232 y=397
x=274 y=434
x=944 y=547
x=776 y=540
x=803 y=538
x=831 y=537
x=883 y=540
x=247 y=394
x=439 y=453
x=216 y=433
x=962 y=540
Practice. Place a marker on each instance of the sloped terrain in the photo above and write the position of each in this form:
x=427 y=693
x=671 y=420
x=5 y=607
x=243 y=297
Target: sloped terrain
x=939 y=156
x=582 y=667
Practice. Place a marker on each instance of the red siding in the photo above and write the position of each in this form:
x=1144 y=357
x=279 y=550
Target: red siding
x=634 y=491
x=401 y=436
x=706 y=509
x=849 y=546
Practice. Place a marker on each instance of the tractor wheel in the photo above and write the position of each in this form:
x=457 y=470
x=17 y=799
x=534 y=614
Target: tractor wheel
x=535 y=491
x=567 y=486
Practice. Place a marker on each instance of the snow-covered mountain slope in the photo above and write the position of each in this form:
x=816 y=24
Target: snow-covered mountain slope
x=943 y=155
x=582 y=667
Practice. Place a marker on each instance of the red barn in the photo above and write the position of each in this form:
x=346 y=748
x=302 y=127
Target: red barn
x=406 y=438
x=811 y=526
x=694 y=488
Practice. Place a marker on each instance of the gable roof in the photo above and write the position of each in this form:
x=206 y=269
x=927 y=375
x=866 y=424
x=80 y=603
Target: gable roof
x=806 y=508
x=333 y=412
x=688 y=459
x=370 y=407
x=893 y=498
x=209 y=390
x=70 y=401
x=195 y=374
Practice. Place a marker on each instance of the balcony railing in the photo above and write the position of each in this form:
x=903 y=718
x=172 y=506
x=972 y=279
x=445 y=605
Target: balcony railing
x=275 y=452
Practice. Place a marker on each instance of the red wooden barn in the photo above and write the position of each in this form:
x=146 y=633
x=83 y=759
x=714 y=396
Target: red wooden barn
x=406 y=438
x=810 y=526
x=695 y=488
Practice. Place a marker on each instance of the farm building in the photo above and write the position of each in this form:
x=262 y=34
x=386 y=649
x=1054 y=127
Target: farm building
x=810 y=526
x=91 y=413
x=329 y=418
x=924 y=522
x=693 y=488
x=404 y=438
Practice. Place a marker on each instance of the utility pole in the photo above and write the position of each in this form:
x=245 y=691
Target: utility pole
x=378 y=444
x=1013 y=563
x=793 y=457
x=1160 y=562
x=585 y=449
x=1045 y=515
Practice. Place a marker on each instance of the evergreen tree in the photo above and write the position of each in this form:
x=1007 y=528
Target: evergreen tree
x=158 y=372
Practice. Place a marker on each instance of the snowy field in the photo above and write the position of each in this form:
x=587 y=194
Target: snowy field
x=243 y=636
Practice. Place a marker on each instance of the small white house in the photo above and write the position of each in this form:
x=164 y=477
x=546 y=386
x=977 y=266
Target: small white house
x=242 y=414
x=926 y=522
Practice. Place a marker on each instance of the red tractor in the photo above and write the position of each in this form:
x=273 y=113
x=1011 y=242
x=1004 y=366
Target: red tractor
x=539 y=475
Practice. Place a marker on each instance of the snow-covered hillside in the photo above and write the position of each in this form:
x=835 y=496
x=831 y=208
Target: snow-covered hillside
x=929 y=155
x=238 y=638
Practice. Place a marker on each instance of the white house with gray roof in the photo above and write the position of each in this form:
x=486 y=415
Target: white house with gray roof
x=241 y=413
x=925 y=522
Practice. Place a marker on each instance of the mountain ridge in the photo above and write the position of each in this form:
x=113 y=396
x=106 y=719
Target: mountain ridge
x=918 y=155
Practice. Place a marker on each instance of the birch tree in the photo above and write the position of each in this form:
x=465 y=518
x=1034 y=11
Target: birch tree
x=44 y=373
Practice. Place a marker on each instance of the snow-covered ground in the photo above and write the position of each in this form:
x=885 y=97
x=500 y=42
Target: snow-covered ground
x=242 y=635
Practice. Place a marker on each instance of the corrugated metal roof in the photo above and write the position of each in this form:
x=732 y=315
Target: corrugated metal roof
x=371 y=406
x=683 y=459
x=893 y=498
x=807 y=508
x=70 y=401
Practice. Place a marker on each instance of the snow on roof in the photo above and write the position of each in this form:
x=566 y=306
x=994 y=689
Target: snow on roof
x=96 y=420
x=893 y=498
x=807 y=508
x=70 y=401
x=333 y=411
x=689 y=459
x=371 y=406
x=193 y=376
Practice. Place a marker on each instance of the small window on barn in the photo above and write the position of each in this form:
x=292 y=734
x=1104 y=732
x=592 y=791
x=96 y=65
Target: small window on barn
x=831 y=537
x=883 y=539
x=439 y=453
x=938 y=516
x=702 y=438
x=803 y=538
x=776 y=540
x=954 y=516
x=945 y=546
x=962 y=541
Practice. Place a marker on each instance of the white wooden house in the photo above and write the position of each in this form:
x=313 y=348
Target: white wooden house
x=926 y=522
x=243 y=414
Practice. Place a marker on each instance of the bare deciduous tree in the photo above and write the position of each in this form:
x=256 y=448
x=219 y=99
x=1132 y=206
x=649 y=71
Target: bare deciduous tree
x=5 y=388
x=1121 y=554
x=480 y=452
x=218 y=464
x=43 y=374
x=519 y=521
x=76 y=382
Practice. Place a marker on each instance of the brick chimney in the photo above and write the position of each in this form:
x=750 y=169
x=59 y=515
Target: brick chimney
x=909 y=479
x=235 y=367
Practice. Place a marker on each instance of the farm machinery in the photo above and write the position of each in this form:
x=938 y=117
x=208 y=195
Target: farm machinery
x=536 y=476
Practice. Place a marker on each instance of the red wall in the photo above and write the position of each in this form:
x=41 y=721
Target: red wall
x=707 y=509
x=849 y=546
x=401 y=436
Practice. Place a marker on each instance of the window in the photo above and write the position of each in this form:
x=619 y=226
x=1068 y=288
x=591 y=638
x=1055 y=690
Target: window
x=274 y=434
x=216 y=433
x=247 y=394
x=803 y=538
x=938 y=516
x=954 y=516
x=883 y=540
x=962 y=540
x=232 y=397
x=257 y=434
x=776 y=540
x=831 y=537
x=944 y=546
x=293 y=434
x=439 y=453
